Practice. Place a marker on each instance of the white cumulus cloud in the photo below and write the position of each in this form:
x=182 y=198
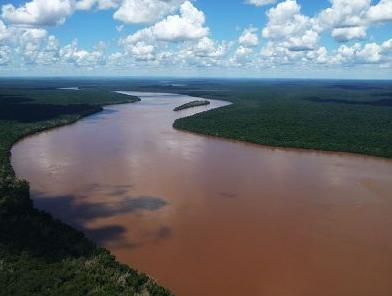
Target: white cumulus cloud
x=381 y=12
x=349 y=20
x=260 y=2
x=369 y=53
x=81 y=57
x=349 y=33
x=249 y=37
x=38 y=12
x=206 y=47
x=145 y=11
x=188 y=25
x=100 y=4
x=5 y=55
x=290 y=29
x=4 y=32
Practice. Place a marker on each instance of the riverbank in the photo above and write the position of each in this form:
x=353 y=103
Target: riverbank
x=351 y=117
x=39 y=254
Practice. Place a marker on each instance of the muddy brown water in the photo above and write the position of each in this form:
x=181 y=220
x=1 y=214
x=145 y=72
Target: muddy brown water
x=206 y=216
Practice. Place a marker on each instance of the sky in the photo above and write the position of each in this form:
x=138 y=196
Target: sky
x=343 y=39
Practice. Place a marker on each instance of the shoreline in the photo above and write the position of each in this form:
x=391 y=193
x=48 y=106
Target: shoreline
x=292 y=149
x=282 y=147
x=339 y=153
x=71 y=122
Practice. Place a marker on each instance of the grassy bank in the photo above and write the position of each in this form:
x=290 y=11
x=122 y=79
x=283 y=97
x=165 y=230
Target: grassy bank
x=38 y=254
x=192 y=104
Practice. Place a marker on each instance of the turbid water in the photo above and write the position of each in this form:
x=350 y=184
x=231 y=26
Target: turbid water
x=206 y=216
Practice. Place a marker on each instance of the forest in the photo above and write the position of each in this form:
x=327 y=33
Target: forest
x=344 y=116
x=192 y=104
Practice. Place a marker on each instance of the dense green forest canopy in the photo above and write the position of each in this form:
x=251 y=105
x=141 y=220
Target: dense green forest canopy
x=349 y=116
x=192 y=104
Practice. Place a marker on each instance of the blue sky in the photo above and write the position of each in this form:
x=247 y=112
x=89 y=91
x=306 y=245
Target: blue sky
x=232 y=38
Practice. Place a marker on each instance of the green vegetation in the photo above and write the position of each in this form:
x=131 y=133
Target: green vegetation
x=38 y=254
x=192 y=104
x=352 y=116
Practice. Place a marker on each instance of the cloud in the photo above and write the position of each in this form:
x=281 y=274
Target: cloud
x=260 y=2
x=349 y=20
x=319 y=56
x=275 y=54
x=207 y=47
x=188 y=25
x=34 y=46
x=345 y=18
x=4 y=32
x=249 y=37
x=288 y=28
x=349 y=33
x=83 y=58
x=369 y=53
x=100 y=4
x=55 y=12
x=242 y=56
x=141 y=51
x=120 y=28
x=145 y=11
x=179 y=37
x=196 y=53
x=5 y=55
x=381 y=12
x=243 y=51
x=38 y=12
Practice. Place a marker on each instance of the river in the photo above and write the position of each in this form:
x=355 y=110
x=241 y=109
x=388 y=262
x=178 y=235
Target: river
x=207 y=216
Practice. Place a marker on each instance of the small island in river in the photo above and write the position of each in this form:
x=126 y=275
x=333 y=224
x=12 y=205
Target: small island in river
x=192 y=104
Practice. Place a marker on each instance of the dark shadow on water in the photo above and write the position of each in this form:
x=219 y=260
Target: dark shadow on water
x=106 y=233
x=118 y=192
x=68 y=207
x=74 y=211
x=228 y=194
x=163 y=233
